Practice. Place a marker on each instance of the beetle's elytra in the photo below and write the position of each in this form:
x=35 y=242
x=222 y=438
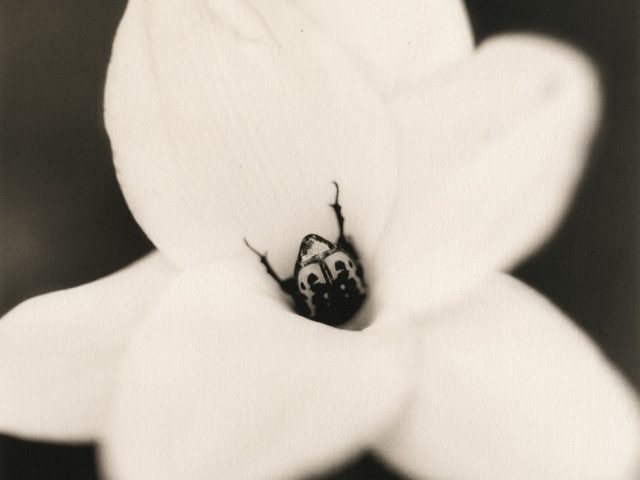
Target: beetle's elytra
x=328 y=280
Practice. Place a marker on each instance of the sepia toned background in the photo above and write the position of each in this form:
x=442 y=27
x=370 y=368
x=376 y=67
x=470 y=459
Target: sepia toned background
x=63 y=221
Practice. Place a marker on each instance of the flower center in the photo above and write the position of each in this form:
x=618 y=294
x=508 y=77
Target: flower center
x=328 y=284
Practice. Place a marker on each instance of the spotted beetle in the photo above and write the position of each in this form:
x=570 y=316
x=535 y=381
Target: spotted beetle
x=328 y=280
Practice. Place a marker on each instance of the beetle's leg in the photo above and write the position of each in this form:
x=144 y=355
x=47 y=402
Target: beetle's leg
x=285 y=285
x=338 y=209
x=343 y=241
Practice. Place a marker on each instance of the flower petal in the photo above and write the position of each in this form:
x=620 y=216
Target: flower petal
x=229 y=120
x=510 y=388
x=490 y=153
x=60 y=352
x=397 y=44
x=223 y=381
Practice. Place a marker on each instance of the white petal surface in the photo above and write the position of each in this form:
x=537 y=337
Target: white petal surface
x=490 y=153
x=511 y=389
x=230 y=120
x=223 y=381
x=60 y=352
x=397 y=44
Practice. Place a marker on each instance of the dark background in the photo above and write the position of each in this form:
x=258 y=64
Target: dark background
x=64 y=222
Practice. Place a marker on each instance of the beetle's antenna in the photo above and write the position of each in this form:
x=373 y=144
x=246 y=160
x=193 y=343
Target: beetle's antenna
x=267 y=265
x=338 y=209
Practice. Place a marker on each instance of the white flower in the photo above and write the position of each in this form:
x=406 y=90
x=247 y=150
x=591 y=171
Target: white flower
x=230 y=120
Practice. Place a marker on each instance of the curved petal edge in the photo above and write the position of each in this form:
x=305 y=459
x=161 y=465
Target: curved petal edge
x=511 y=388
x=490 y=155
x=60 y=352
x=224 y=381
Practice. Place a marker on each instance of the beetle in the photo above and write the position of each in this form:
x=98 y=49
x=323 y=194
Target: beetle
x=328 y=284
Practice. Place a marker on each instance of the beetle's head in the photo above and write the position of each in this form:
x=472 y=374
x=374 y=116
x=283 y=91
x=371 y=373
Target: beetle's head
x=327 y=278
x=313 y=247
x=309 y=270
